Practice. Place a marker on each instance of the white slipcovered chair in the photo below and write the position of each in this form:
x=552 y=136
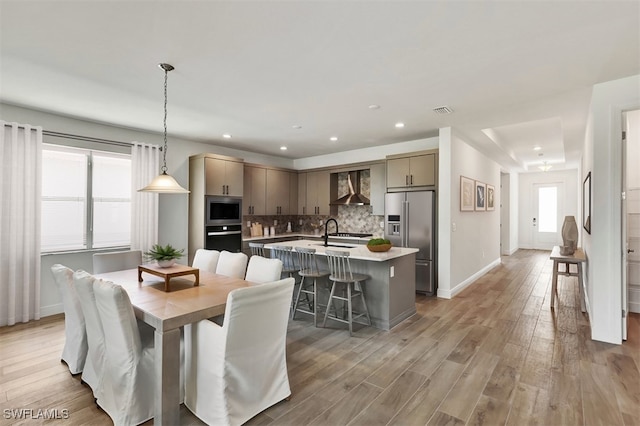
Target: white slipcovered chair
x=75 y=348
x=206 y=260
x=94 y=365
x=116 y=261
x=263 y=270
x=236 y=371
x=232 y=264
x=128 y=382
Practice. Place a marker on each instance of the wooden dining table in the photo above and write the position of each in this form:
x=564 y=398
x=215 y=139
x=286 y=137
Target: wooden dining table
x=167 y=312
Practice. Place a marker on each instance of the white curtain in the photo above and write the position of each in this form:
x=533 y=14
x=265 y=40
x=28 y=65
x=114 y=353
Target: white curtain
x=20 y=190
x=145 y=165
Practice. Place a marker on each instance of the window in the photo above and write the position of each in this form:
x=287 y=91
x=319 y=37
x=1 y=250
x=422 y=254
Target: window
x=548 y=209
x=70 y=177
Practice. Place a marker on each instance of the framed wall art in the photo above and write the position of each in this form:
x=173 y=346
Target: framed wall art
x=481 y=196
x=491 y=195
x=467 y=198
x=586 y=203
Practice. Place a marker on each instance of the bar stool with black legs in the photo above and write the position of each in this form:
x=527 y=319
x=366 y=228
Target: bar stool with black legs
x=345 y=286
x=257 y=249
x=308 y=289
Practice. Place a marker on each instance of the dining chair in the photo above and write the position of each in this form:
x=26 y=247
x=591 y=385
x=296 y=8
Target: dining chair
x=257 y=249
x=127 y=395
x=207 y=260
x=309 y=273
x=263 y=270
x=239 y=369
x=94 y=366
x=74 y=352
x=232 y=264
x=116 y=261
x=345 y=286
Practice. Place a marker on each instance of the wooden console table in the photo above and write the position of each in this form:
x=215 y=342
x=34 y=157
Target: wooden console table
x=577 y=258
x=168 y=273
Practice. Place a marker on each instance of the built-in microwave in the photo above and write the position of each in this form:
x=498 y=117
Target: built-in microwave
x=222 y=210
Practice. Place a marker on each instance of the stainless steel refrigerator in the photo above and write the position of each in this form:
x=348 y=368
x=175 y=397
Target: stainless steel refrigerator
x=409 y=221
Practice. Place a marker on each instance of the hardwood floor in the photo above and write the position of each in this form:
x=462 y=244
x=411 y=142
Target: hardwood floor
x=495 y=354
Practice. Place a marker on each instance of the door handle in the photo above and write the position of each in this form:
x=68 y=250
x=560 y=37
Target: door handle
x=630 y=251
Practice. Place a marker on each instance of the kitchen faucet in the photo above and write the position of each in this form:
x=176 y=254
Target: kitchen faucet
x=326 y=230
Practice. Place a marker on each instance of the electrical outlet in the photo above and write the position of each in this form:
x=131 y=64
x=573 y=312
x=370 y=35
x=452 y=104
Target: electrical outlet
x=300 y=222
x=454 y=227
x=392 y=272
x=275 y=222
x=382 y=225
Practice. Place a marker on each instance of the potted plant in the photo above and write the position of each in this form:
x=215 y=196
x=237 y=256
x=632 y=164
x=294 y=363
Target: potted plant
x=165 y=255
x=379 y=244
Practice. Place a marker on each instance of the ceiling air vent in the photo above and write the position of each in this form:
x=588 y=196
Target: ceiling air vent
x=443 y=110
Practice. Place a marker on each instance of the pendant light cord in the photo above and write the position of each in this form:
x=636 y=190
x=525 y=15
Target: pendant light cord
x=164 y=149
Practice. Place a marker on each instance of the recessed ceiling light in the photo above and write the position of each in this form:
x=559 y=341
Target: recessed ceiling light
x=333 y=138
x=537 y=148
x=374 y=106
x=399 y=125
x=283 y=148
x=226 y=136
x=296 y=126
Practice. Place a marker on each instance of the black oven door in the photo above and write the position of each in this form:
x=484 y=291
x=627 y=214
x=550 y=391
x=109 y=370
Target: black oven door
x=224 y=237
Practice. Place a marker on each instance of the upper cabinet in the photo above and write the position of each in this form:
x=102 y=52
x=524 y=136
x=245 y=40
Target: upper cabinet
x=223 y=177
x=269 y=191
x=278 y=197
x=411 y=170
x=313 y=193
x=255 y=190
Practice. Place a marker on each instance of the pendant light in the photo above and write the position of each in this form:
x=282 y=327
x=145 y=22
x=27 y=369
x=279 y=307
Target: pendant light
x=545 y=167
x=164 y=183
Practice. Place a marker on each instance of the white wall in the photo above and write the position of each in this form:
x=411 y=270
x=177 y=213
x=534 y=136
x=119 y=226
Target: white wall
x=569 y=201
x=602 y=156
x=473 y=248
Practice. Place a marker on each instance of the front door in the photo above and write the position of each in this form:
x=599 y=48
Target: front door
x=547 y=220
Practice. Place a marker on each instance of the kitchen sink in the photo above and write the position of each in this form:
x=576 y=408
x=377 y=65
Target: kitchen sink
x=332 y=245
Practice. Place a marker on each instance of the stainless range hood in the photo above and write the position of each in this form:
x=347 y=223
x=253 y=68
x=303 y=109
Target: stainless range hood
x=354 y=197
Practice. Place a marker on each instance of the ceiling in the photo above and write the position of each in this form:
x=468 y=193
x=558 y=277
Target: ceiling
x=516 y=74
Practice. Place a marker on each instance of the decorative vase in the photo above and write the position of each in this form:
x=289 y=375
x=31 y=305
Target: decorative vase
x=166 y=263
x=569 y=236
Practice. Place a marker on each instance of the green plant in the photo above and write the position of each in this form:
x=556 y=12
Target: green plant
x=378 y=241
x=159 y=252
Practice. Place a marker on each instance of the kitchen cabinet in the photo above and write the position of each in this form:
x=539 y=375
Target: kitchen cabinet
x=224 y=177
x=255 y=190
x=313 y=193
x=278 y=187
x=208 y=175
x=411 y=171
x=377 y=188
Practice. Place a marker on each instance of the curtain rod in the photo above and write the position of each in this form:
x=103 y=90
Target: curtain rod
x=85 y=138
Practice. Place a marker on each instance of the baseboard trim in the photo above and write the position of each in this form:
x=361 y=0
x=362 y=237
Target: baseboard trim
x=448 y=294
x=46 y=311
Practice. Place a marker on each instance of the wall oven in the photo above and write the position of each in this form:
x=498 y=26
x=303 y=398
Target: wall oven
x=223 y=223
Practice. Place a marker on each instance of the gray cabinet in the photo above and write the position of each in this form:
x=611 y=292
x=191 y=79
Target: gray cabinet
x=224 y=177
x=412 y=170
x=255 y=187
x=278 y=187
x=314 y=192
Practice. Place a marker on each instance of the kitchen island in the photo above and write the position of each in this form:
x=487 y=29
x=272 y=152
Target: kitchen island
x=391 y=291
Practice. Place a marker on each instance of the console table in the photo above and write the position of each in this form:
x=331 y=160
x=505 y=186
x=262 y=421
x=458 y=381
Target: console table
x=168 y=273
x=577 y=258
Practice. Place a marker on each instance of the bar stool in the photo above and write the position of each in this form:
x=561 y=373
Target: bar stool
x=257 y=249
x=289 y=269
x=341 y=275
x=309 y=289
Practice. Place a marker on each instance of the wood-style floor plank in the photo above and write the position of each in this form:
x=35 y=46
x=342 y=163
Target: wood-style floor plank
x=495 y=354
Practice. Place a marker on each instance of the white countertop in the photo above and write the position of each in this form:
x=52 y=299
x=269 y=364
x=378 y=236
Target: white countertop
x=360 y=252
x=305 y=235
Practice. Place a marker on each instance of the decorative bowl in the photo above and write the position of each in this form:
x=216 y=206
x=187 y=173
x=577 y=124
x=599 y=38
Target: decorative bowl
x=379 y=247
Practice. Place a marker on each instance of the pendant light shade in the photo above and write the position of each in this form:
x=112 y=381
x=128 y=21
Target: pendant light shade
x=164 y=183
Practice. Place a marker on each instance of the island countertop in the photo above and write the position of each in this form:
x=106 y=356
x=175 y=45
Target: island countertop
x=359 y=252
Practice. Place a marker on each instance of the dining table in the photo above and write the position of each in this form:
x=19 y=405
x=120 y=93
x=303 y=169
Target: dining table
x=167 y=312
